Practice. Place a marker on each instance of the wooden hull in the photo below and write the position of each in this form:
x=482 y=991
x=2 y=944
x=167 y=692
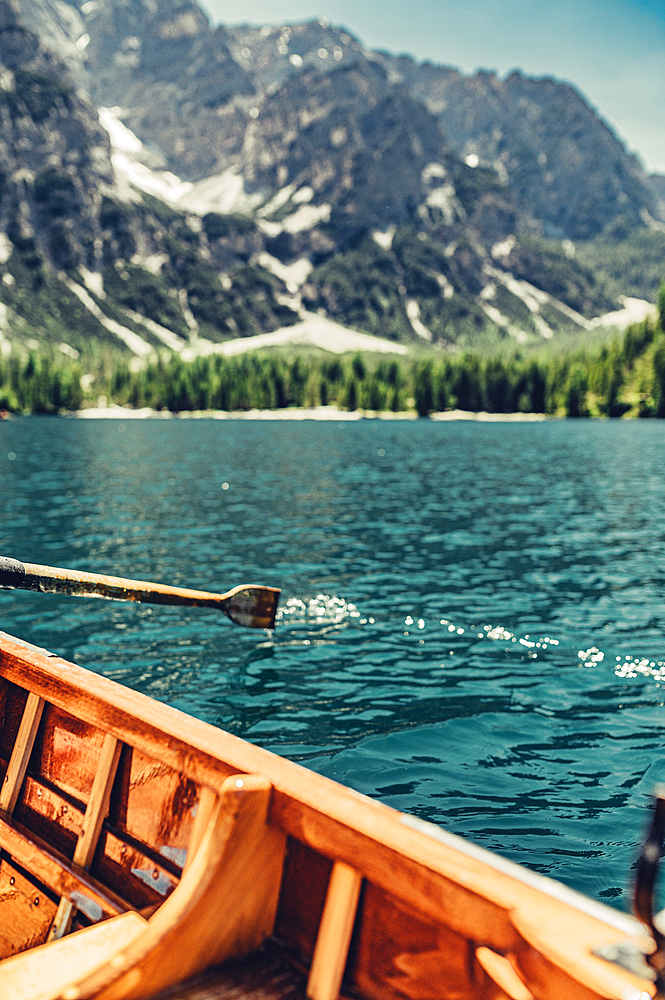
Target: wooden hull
x=141 y=847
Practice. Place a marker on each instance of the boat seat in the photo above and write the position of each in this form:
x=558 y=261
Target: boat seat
x=45 y=972
x=224 y=906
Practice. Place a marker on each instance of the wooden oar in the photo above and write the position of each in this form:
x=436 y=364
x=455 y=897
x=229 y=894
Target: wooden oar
x=245 y=605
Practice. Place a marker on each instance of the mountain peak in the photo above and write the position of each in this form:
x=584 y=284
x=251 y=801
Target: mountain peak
x=247 y=176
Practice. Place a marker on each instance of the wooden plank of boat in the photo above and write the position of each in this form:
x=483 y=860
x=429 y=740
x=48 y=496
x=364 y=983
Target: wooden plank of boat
x=141 y=847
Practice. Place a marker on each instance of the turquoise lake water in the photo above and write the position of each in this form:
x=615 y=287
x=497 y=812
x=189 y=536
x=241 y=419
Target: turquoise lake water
x=471 y=625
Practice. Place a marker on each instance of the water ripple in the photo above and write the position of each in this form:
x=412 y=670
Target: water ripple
x=471 y=620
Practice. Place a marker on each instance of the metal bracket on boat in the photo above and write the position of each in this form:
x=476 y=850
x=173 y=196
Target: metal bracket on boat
x=627 y=955
x=645 y=888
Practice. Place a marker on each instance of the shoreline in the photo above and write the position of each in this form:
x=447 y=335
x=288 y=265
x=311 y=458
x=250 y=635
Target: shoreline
x=329 y=413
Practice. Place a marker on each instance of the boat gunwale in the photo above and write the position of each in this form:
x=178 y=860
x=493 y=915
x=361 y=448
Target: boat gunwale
x=340 y=823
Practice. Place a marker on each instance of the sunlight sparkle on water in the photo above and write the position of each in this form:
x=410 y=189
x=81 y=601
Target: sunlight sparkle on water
x=629 y=666
x=592 y=655
x=327 y=610
x=498 y=632
x=322 y=609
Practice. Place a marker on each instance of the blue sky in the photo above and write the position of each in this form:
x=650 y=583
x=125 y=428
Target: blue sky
x=613 y=51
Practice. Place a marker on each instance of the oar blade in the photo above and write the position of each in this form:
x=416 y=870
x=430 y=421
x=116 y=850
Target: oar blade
x=254 y=607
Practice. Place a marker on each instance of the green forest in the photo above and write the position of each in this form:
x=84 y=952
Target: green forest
x=625 y=378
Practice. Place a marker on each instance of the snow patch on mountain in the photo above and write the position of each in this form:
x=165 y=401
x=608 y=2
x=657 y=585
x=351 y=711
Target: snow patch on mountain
x=534 y=298
x=138 y=166
x=293 y=275
x=633 y=311
x=136 y=344
x=314 y=331
x=417 y=325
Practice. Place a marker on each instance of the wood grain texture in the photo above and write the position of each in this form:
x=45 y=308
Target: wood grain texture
x=26 y=911
x=461 y=898
x=334 y=937
x=98 y=803
x=18 y=763
x=224 y=906
x=95 y=814
x=304 y=886
x=396 y=954
x=205 y=808
x=54 y=871
x=67 y=752
x=50 y=819
x=45 y=973
x=156 y=803
x=12 y=707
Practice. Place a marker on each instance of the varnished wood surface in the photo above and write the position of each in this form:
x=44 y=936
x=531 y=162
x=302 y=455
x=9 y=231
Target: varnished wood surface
x=21 y=753
x=60 y=877
x=436 y=919
x=251 y=605
x=334 y=937
x=46 y=973
x=95 y=815
x=223 y=908
x=219 y=910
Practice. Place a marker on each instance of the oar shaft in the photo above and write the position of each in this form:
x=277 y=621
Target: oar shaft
x=251 y=605
x=50 y=580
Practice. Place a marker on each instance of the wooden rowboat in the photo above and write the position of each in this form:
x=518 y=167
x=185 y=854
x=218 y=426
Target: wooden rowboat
x=141 y=847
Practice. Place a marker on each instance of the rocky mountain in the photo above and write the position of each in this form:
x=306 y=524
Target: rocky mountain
x=562 y=162
x=658 y=184
x=169 y=183
x=192 y=90
x=54 y=154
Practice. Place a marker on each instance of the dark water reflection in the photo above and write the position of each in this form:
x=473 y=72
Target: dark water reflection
x=471 y=624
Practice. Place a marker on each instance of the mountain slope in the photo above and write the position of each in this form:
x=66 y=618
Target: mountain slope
x=55 y=156
x=561 y=161
x=196 y=91
x=246 y=176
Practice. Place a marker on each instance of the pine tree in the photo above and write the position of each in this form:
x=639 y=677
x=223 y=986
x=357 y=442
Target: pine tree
x=576 y=392
x=423 y=389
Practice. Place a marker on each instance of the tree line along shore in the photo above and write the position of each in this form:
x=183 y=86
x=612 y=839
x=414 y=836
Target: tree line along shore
x=625 y=378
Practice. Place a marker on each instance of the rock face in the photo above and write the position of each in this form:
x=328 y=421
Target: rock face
x=54 y=155
x=562 y=163
x=172 y=74
x=658 y=184
x=247 y=174
x=190 y=88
